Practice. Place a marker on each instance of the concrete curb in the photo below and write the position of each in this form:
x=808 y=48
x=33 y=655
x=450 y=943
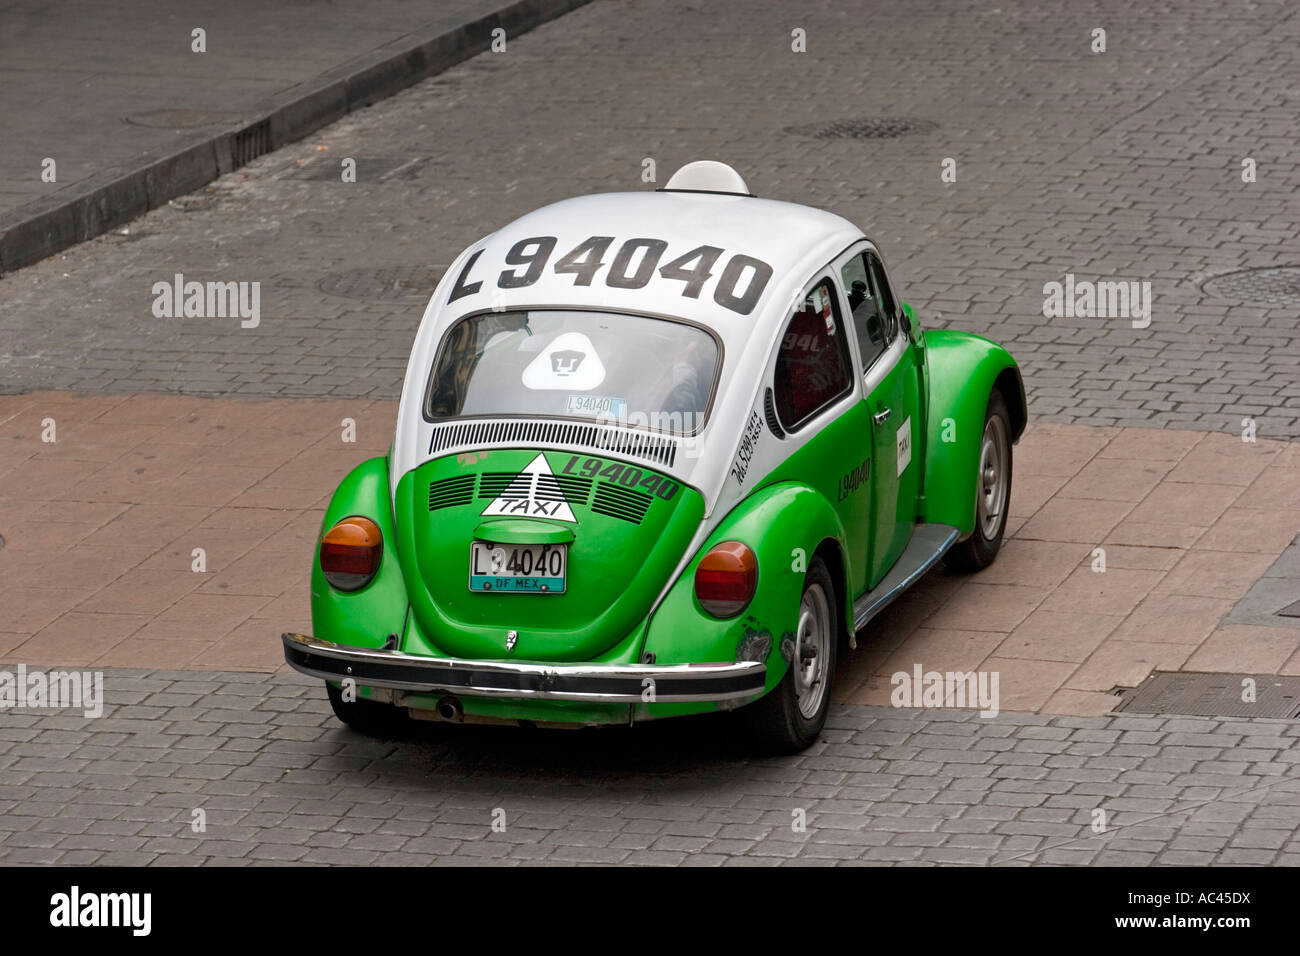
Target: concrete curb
x=42 y=228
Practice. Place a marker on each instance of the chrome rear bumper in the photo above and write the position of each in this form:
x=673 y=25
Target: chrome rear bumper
x=603 y=683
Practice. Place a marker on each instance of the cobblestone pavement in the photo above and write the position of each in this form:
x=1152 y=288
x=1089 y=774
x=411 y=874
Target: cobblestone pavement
x=279 y=780
x=1122 y=165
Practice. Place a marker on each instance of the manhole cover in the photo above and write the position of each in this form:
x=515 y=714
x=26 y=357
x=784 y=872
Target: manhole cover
x=183 y=119
x=877 y=128
x=1214 y=695
x=1278 y=285
x=394 y=284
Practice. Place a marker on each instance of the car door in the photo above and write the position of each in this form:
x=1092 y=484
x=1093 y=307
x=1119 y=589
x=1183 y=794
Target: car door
x=813 y=393
x=890 y=388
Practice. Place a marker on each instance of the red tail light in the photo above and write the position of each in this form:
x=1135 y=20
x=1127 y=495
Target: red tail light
x=350 y=552
x=726 y=578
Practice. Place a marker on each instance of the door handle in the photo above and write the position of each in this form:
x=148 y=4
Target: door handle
x=882 y=416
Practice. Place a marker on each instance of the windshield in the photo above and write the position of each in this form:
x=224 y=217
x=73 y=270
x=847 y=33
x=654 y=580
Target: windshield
x=595 y=366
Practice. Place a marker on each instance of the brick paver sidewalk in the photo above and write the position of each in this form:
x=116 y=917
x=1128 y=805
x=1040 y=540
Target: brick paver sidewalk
x=101 y=527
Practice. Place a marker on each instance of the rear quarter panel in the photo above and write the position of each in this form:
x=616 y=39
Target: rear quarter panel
x=366 y=617
x=784 y=524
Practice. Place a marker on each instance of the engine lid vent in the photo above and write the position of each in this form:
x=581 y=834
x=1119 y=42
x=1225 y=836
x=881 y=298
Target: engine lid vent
x=476 y=434
x=450 y=492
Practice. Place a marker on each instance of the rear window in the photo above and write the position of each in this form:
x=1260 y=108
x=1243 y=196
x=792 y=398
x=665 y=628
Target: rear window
x=590 y=366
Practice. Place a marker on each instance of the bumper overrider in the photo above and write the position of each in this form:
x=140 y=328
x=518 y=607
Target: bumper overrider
x=606 y=683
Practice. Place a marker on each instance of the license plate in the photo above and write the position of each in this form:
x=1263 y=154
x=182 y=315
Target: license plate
x=518 y=568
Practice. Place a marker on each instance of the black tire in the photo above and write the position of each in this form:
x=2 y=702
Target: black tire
x=367 y=716
x=979 y=550
x=776 y=720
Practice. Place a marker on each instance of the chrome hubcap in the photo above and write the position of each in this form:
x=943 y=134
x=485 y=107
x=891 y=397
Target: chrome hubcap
x=812 y=651
x=995 y=452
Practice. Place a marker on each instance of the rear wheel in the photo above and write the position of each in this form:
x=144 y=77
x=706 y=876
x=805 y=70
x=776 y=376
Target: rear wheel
x=791 y=716
x=367 y=716
x=992 y=492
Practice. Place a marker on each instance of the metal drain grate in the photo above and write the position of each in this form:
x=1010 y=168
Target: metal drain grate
x=1214 y=695
x=412 y=284
x=873 y=128
x=250 y=143
x=1278 y=285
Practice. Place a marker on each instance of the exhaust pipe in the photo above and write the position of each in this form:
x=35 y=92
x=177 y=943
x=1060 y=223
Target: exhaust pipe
x=449 y=708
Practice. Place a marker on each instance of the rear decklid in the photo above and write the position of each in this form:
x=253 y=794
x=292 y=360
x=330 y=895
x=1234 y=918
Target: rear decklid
x=625 y=528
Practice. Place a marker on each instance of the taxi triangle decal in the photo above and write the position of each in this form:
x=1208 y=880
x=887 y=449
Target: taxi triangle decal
x=533 y=493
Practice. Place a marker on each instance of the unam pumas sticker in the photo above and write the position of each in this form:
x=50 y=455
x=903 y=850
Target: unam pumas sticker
x=569 y=362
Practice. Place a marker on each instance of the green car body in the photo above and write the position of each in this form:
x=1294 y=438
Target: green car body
x=871 y=507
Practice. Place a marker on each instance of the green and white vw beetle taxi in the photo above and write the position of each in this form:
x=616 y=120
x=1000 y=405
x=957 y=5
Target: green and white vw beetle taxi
x=657 y=453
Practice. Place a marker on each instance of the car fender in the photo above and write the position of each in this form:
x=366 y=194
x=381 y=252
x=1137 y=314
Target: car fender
x=784 y=524
x=962 y=370
x=363 y=618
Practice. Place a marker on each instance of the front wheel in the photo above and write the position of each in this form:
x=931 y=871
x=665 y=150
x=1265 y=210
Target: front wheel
x=791 y=716
x=992 y=492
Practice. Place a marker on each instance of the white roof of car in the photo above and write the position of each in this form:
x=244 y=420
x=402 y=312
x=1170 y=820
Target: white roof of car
x=792 y=239
x=703 y=207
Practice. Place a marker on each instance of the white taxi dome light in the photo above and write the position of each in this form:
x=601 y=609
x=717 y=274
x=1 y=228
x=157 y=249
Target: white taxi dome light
x=708 y=176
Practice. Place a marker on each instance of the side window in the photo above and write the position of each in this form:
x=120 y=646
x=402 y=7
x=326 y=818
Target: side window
x=874 y=318
x=812 y=364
